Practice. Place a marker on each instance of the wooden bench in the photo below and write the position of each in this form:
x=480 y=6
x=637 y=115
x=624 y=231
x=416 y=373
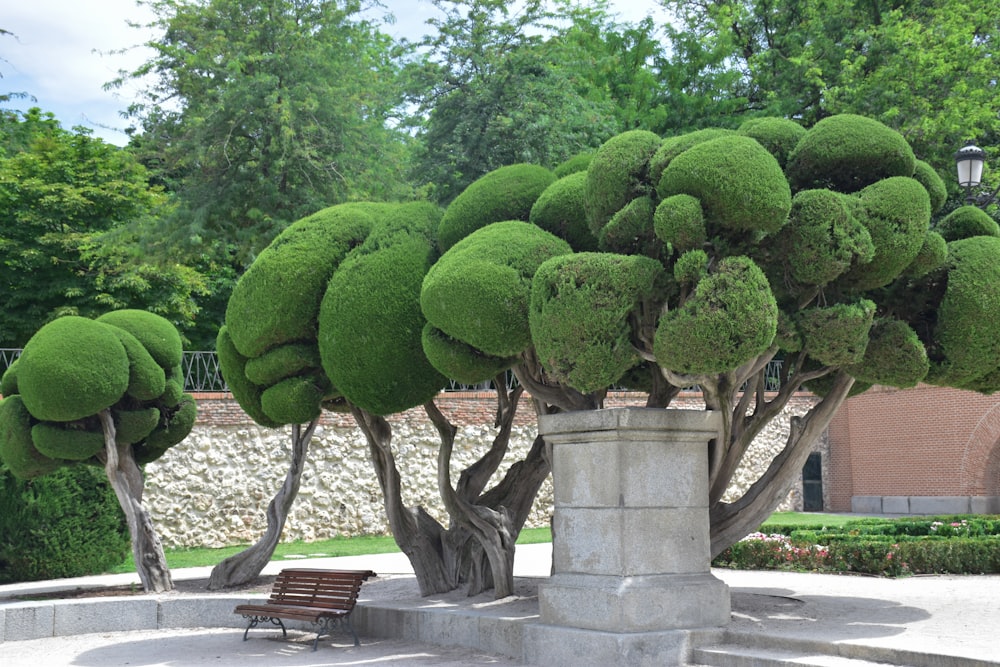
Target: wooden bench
x=323 y=597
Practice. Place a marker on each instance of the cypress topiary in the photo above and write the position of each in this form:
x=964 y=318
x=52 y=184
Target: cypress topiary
x=778 y=135
x=965 y=222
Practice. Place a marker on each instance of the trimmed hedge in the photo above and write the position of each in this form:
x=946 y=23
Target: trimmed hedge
x=879 y=546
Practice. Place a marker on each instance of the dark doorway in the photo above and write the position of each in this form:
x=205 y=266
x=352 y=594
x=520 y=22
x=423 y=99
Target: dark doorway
x=812 y=483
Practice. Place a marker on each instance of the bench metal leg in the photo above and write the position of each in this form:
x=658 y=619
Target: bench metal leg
x=255 y=620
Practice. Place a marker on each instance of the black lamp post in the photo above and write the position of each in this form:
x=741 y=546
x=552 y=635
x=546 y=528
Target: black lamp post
x=969 y=161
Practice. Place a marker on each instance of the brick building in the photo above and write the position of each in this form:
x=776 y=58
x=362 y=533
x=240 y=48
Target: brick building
x=926 y=450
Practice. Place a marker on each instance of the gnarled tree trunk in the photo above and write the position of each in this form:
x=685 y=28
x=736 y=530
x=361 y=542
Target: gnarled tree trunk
x=127 y=481
x=244 y=567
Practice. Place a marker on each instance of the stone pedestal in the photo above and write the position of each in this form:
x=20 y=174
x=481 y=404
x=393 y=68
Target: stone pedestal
x=631 y=548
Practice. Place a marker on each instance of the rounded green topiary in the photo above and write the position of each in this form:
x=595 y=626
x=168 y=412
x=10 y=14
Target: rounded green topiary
x=691 y=267
x=172 y=430
x=894 y=356
x=373 y=304
x=933 y=253
x=478 y=291
x=933 y=183
x=232 y=365
x=160 y=338
x=731 y=318
x=277 y=300
x=897 y=212
x=458 y=361
x=507 y=193
x=679 y=221
x=671 y=147
x=146 y=378
x=560 y=210
x=55 y=441
x=281 y=362
x=172 y=394
x=848 y=153
x=740 y=185
x=17 y=450
x=579 y=317
x=965 y=222
x=778 y=135
x=964 y=346
x=837 y=335
x=294 y=400
x=576 y=164
x=8 y=383
x=132 y=426
x=618 y=173
x=72 y=368
x=821 y=239
x=630 y=230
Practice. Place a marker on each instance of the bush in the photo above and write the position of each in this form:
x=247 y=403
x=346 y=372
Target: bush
x=66 y=524
x=879 y=546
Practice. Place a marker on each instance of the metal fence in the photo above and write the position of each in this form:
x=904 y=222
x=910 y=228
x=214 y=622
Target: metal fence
x=201 y=373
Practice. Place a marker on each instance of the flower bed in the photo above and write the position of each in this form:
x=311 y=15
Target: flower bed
x=884 y=547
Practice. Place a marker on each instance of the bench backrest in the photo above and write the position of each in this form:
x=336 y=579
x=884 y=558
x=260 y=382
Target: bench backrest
x=327 y=589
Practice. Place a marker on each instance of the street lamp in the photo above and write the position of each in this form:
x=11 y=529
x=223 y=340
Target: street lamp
x=969 y=161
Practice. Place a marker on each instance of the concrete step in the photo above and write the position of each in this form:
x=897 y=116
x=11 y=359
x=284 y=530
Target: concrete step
x=737 y=655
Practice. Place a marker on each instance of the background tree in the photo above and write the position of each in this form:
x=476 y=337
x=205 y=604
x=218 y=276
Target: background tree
x=922 y=68
x=718 y=254
x=107 y=391
x=260 y=113
x=490 y=90
x=63 y=196
x=328 y=317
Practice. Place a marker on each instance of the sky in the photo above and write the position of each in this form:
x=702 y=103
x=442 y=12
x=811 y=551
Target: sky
x=62 y=52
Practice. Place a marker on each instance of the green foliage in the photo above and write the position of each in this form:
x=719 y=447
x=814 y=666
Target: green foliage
x=372 y=306
x=731 y=318
x=673 y=146
x=894 y=356
x=574 y=165
x=65 y=199
x=965 y=222
x=837 y=335
x=251 y=140
x=740 y=185
x=458 y=361
x=281 y=362
x=778 y=135
x=933 y=183
x=933 y=253
x=55 y=441
x=822 y=238
x=156 y=334
x=897 y=213
x=294 y=400
x=507 y=193
x=630 y=230
x=8 y=382
x=581 y=305
x=617 y=174
x=277 y=300
x=691 y=267
x=232 y=365
x=680 y=222
x=67 y=524
x=962 y=347
x=72 y=368
x=478 y=292
x=561 y=210
x=848 y=153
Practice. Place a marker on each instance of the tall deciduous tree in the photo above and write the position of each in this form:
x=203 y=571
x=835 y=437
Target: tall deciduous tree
x=61 y=195
x=492 y=88
x=263 y=111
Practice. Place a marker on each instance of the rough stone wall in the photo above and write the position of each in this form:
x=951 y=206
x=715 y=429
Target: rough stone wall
x=213 y=489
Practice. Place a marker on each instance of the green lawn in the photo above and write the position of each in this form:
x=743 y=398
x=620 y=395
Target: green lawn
x=380 y=544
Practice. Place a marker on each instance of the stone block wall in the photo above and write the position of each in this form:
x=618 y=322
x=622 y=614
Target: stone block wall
x=212 y=490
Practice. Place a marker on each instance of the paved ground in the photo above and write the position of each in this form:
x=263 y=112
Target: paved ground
x=950 y=621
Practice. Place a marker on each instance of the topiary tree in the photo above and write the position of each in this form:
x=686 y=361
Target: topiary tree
x=107 y=391
x=809 y=245
x=328 y=317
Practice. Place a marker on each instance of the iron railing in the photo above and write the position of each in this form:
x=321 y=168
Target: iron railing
x=201 y=373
